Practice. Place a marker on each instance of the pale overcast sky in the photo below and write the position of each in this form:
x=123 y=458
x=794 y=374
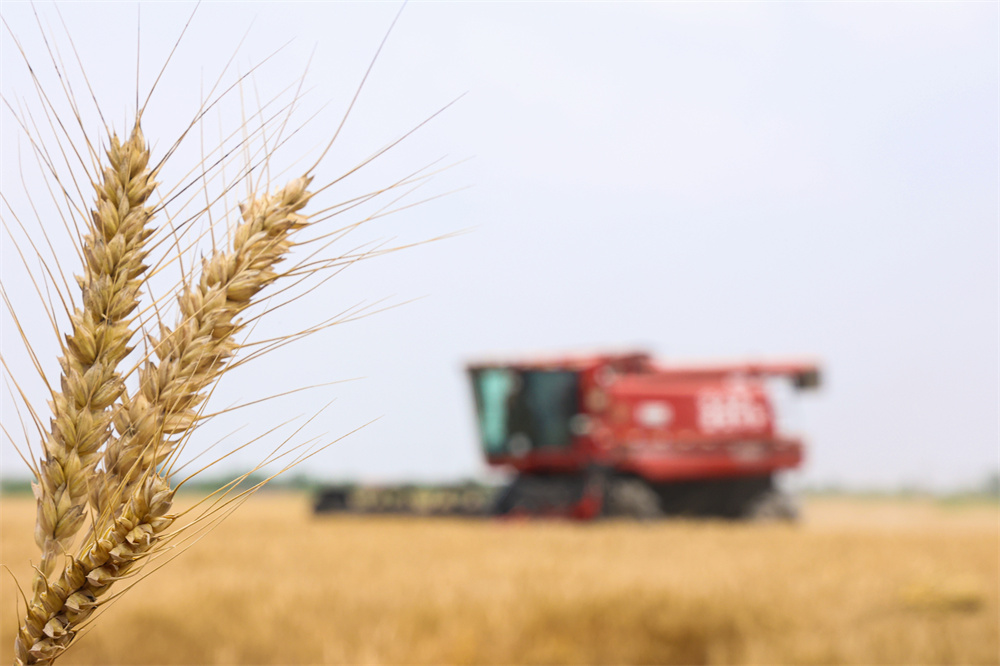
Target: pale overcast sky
x=702 y=180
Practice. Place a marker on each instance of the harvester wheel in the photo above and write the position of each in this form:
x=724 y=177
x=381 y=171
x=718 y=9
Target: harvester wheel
x=632 y=498
x=774 y=505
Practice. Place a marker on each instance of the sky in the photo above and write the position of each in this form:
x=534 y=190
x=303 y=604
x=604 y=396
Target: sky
x=699 y=180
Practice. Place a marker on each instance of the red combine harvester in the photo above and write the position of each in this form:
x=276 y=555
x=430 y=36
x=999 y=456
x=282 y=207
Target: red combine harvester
x=619 y=434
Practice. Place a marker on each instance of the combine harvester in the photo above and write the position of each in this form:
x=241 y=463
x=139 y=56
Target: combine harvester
x=618 y=435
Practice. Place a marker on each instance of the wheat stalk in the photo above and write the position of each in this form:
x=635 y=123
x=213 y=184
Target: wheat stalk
x=110 y=453
x=132 y=496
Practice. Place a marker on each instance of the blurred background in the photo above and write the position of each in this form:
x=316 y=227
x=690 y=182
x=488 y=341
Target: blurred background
x=703 y=181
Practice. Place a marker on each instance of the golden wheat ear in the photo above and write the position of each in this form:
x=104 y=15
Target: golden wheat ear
x=193 y=353
x=114 y=255
x=110 y=284
x=111 y=454
x=133 y=494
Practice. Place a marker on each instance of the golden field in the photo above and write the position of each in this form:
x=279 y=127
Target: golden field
x=857 y=582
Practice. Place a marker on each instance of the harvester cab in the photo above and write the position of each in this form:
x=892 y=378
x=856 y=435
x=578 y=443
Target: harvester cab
x=619 y=434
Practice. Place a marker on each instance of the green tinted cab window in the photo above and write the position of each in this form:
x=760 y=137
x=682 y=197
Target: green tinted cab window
x=532 y=408
x=550 y=399
x=493 y=388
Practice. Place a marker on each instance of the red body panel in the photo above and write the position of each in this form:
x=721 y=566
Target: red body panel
x=664 y=422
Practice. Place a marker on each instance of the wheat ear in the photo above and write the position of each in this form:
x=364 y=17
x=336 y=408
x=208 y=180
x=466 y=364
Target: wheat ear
x=59 y=609
x=113 y=263
x=192 y=356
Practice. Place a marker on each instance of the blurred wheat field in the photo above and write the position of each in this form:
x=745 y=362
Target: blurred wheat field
x=860 y=582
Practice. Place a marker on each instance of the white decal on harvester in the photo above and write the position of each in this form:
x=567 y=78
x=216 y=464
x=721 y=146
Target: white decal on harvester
x=728 y=410
x=654 y=414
